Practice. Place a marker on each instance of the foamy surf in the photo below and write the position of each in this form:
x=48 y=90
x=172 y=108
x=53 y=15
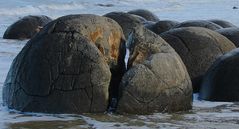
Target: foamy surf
x=30 y=9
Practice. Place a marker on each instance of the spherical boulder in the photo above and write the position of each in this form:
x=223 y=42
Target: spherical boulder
x=67 y=67
x=231 y=33
x=199 y=48
x=125 y=20
x=162 y=26
x=222 y=23
x=145 y=14
x=221 y=82
x=156 y=80
x=199 y=23
x=26 y=27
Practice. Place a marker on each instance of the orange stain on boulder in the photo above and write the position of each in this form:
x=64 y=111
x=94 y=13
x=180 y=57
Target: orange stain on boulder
x=96 y=34
x=114 y=42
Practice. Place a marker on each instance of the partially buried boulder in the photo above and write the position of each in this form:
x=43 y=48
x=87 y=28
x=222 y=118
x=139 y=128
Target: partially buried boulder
x=199 y=23
x=162 y=26
x=221 y=82
x=26 y=27
x=222 y=23
x=156 y=80
x=145 y=14
x=199 y=48
x=125 y=20
x=231 y=33
x=67 y=67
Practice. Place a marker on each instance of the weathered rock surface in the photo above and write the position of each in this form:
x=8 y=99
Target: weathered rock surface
x=223 y=23
x=162 y=26
x=26 y=27
x=67 y=67
x=156 y=80
x=199 y=48
x=221 y=82
x=231 y=33
x=127 y=21
x=199 y=23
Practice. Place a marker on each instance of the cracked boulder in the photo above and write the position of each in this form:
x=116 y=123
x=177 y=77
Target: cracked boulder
x=26 y=27
x=162 y=26
x=145 y=14
x=67 y=67
x=223 y=23
x=221 y=82
x=199 y=48
x=125 y=20
x=231 y=33
x=199 y=23
x=156 y=80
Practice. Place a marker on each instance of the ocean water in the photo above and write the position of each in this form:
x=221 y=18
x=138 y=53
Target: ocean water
x=203 y=115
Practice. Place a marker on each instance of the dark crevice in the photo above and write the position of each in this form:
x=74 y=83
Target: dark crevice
x=73 y=90
x=87 y=94
x=28 y=94
x=70 y=74
x=159 y=78
x=116 y=77
x=135 y=98
x=92 y=90
x=185 y=93
x=73 y=79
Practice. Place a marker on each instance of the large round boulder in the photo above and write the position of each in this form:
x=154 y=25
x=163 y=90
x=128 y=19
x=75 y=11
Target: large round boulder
x=199 y=48
x=125 y=20
x=231 y=33
x=162 y=26
x=221 y=82
x=222 y=23
x=156 y=80
x=67 y=67
x=145 y=14
x=199 y=23
x=26 y=27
